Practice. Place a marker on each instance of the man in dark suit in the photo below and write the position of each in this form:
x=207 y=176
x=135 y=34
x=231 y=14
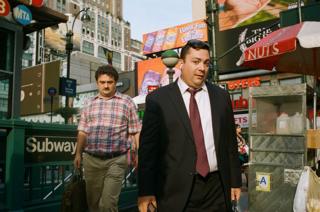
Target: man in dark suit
x=188 y=158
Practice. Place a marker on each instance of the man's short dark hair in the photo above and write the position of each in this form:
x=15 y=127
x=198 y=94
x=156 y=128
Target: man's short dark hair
x=108 y=70
x=194 y=44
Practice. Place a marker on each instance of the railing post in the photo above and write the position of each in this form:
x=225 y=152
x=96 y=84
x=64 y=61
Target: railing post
x=14 y=175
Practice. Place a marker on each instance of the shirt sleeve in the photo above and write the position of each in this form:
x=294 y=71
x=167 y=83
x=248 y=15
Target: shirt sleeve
x=134 y=124
x=83 y=122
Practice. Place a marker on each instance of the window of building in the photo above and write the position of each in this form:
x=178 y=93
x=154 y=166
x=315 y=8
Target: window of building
x=290 y=81
x=87 y=47
x=116 y=60
x=6 y=69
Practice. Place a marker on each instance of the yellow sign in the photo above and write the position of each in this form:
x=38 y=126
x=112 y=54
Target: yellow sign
x=263 y=181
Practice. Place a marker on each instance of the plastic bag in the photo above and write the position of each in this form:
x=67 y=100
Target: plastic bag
x=313 y=198
x=300 y=198
x=307 y=197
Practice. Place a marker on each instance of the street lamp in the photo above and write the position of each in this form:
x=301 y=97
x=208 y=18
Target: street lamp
x=69 y=43
x=170 y=59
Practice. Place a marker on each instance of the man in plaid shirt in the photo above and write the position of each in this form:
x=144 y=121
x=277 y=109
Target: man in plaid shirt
x=108 y=124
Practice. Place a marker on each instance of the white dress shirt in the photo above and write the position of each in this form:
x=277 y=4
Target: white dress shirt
x=204 y=106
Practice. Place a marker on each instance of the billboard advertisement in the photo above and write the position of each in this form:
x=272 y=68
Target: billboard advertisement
x=174 y=37
x=239 y=13
x=151 y=73
x=35 y=82
x=246 y=35
x=55 y=37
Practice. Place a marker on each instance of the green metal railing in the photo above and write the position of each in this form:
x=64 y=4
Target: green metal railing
x=38 y=186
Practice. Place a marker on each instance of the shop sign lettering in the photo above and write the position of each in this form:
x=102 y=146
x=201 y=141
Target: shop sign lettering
x=244 y=83
x=49 y=148
x=240 y=103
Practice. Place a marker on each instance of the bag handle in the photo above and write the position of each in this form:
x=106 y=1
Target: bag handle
x=234 y=206
x=78 y=174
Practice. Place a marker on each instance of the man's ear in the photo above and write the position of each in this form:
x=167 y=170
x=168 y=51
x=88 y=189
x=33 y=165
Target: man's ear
x=181 y=62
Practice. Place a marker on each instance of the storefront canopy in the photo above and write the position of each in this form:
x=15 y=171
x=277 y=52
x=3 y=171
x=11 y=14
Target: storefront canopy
x=43 y=16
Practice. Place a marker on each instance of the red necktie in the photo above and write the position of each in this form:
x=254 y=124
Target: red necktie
x=202 y=165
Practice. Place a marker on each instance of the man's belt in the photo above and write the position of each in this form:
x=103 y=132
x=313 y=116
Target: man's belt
x=105 y=156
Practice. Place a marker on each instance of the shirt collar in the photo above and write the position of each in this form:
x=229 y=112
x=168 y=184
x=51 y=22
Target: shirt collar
x=184 y=87
x=116 y=95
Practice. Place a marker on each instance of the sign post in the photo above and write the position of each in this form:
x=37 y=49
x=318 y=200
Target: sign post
x=52 y=92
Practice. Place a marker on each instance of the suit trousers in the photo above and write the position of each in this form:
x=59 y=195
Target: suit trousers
x=104 y=181
x=207 y=194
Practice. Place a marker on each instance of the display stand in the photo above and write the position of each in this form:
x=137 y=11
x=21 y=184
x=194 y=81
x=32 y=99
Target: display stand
x=276 y=160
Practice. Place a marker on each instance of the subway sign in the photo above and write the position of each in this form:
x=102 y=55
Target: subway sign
x=22 y=14
x=49 y=148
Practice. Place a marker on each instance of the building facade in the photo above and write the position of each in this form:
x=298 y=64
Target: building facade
x=107 y=37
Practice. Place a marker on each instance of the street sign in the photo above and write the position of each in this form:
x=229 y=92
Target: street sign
x=68 y=87
x=4 y=7
x=52 y=91
x=22 y=15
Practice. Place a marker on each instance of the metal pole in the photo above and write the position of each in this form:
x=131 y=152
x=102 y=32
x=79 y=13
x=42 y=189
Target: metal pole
x=51 y=106
x=212 y=13
x=299 y=11
x=170 y=72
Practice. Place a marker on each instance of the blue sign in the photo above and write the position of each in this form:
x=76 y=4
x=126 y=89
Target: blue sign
x=52 y=91
x=22 y=14
x=68 y=87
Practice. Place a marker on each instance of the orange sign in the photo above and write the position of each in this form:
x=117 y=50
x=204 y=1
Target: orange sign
x=244 y=83
x=152 y=73
x=174 y=37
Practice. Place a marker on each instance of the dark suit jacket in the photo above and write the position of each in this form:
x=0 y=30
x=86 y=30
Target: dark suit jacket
x=167 y=154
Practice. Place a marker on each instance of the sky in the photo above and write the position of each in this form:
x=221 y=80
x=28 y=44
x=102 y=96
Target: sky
x=151 y=15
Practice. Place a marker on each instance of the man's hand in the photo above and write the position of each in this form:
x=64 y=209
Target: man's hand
x=77 y=161
x=235 y=193
x=144 y=201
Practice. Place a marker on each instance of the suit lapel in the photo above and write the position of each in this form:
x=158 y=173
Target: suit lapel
x=177 y=101
x=215 y=116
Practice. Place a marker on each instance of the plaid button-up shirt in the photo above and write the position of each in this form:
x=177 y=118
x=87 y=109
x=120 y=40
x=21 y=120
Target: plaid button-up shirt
x=108 y=123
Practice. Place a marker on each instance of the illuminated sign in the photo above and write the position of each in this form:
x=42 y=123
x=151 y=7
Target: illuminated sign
x=152 y=88
x=174 y=37
x=244 y=83
x=22 y=15
x=242 y=120
x=240 y=103
x=4 y=7
x=152 y=72
x=49 y=148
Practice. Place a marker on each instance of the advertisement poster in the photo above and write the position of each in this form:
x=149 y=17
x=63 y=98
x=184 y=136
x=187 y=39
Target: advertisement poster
x=246 y=35
x=35 y=82
x=174 y=37
x=153 y=73
x=55 y=37
x=237 y=13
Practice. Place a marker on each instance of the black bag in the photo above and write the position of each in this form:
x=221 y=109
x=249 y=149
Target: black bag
x=74 y=197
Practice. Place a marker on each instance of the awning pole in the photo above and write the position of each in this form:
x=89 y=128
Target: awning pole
x=299 y=11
